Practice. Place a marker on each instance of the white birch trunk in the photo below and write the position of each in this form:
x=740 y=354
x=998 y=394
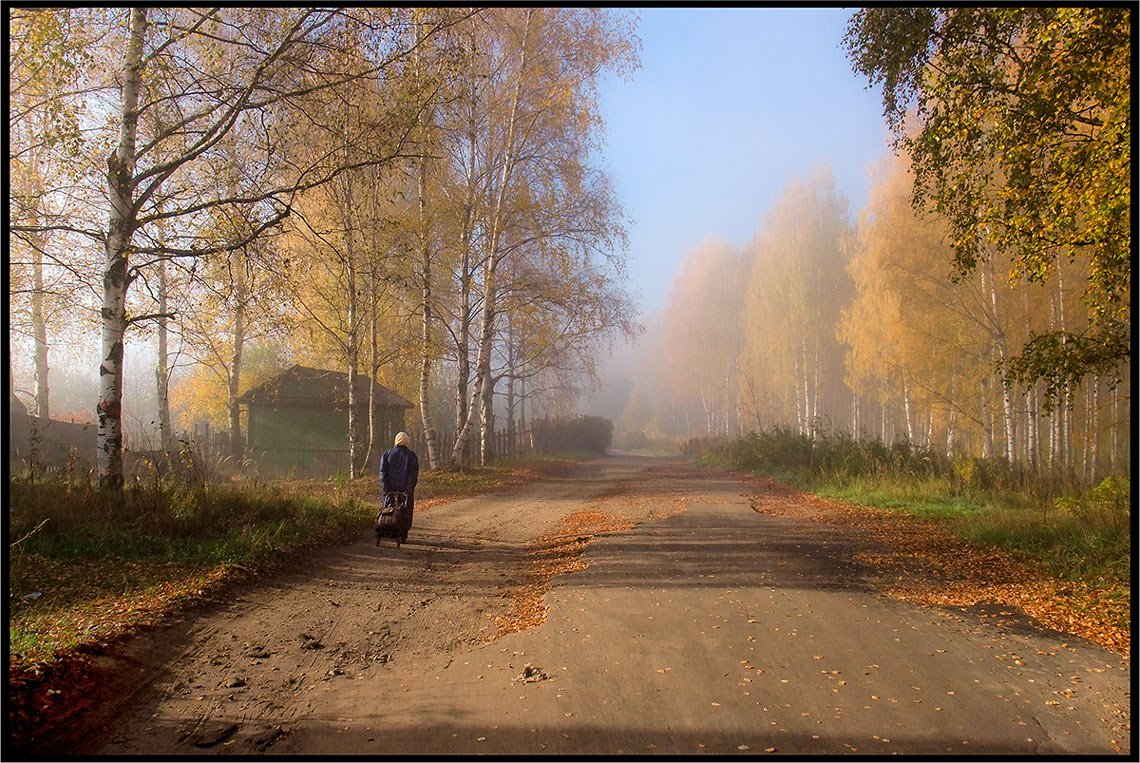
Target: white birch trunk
x=1033 y=432
x=38 y=240
x=237 y=450
x=999 y=342
x=906 y=411
x=815 y=380
x=807 y=423
x=425 y=326
x=39 y=328
x=511 y=359
x=987 y=423
x=120 y=228
x=1113 y=429
x=425 y=274
x=353 y=336
x=1065 y=413
x=487 y=419
x=373 y=359
x=1094 y=446
x=800 y=416
x=950 y=434
x=162 y=370
x=463 y=351
x=483 y=382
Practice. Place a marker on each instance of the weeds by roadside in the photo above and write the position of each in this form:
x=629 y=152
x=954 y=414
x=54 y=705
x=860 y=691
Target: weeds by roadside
x=1077 y=532
x=87 y=567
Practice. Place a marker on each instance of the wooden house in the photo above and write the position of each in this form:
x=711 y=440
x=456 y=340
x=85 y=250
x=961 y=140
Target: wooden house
x=298 y=421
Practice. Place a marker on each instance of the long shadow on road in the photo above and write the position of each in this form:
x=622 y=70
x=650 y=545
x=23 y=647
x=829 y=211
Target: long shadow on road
x=741 y=549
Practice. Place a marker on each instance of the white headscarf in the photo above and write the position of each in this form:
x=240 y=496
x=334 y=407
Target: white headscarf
x=403 y=439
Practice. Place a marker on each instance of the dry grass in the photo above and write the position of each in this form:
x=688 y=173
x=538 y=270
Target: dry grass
x=99 y=582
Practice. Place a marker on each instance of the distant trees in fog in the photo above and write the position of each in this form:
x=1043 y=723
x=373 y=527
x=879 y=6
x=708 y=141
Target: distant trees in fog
x=818 y=323
x=981 y=304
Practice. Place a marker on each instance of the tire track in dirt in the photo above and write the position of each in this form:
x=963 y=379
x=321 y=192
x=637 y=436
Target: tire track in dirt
x=265 y=660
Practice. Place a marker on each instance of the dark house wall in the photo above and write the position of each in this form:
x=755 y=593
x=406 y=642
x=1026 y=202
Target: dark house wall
x=311 y=440
x=53 y=442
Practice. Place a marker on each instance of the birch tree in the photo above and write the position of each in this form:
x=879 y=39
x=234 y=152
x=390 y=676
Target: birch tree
x=546 y=130
x=201 y=72
x=1023 y=120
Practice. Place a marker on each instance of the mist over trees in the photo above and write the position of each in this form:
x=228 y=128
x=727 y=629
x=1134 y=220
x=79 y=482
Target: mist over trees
x=821 y=325
x=1017 y=122
x=414 y=196
x=978 y=305
x=406 y=194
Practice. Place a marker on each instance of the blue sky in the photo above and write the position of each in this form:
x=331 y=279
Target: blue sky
x=727 y=105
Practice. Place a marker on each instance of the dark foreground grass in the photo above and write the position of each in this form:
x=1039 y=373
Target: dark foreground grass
x=85 y=567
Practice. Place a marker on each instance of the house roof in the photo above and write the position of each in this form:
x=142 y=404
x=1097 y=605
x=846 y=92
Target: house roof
x=16 y=406
x=301 y=385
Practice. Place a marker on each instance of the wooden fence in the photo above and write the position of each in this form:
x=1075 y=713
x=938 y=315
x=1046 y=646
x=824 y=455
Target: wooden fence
x=58 y=446
x=503 y=443
x=52 y=446
x=211 y=444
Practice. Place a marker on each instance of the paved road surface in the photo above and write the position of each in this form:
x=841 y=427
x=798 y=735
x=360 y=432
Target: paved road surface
x=705 y=628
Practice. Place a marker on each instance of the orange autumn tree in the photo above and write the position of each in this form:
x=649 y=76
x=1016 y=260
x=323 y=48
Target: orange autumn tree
x=792 y=373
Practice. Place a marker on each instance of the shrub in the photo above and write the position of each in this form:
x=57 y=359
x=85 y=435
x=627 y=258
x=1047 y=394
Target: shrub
x=635 y=440
x=1107 y=504
x=592 y=434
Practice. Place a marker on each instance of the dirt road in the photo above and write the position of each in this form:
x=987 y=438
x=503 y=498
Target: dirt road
x=703 y=627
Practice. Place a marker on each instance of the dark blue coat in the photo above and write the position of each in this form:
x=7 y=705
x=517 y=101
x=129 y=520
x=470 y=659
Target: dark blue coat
x=399 y=471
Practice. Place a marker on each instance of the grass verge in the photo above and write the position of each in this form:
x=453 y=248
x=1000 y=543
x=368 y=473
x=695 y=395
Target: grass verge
x=1065 y=560
x=85 y=568
x=1065 y=546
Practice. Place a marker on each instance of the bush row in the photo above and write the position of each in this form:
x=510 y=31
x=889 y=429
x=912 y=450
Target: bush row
x=840 y=458
x=591 y=434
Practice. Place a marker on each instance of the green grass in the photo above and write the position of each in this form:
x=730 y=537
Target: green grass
x=1074 y=532
x=928 y=499
x=84 y=550
x=1067 y=547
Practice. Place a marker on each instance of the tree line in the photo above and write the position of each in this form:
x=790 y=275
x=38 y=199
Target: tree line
x=408 y=194
x=980 y=303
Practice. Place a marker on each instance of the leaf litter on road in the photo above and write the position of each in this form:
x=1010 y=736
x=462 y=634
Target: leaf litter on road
x=943 y=569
